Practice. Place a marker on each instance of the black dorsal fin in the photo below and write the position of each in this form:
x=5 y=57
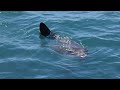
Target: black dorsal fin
x=44 y=30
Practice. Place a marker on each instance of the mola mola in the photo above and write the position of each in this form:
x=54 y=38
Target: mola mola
x=64 y=44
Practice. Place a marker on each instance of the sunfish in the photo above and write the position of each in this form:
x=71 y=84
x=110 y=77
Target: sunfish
x=64 y=44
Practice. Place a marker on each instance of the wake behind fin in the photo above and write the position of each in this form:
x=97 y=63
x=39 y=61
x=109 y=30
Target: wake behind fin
x=44 y=30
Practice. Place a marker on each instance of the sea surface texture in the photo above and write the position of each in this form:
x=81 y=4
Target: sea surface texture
x=24 y=56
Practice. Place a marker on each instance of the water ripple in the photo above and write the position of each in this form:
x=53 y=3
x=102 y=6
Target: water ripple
x=23 y=56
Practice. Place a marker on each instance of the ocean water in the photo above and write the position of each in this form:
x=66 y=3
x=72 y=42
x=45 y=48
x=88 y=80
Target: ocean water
x=23 y=57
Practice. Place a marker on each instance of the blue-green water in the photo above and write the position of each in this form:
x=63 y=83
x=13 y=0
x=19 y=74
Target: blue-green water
x=22 y=56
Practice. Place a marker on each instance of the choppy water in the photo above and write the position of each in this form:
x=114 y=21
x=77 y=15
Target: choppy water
x=22 y=56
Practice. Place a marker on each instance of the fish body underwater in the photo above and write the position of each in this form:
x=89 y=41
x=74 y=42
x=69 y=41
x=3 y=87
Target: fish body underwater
x=64 y=44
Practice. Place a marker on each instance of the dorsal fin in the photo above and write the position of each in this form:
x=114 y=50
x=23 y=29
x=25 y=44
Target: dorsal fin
x=45 y=31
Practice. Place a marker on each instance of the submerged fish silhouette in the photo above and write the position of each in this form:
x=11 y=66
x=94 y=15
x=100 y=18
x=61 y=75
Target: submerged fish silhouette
x=65 y=44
